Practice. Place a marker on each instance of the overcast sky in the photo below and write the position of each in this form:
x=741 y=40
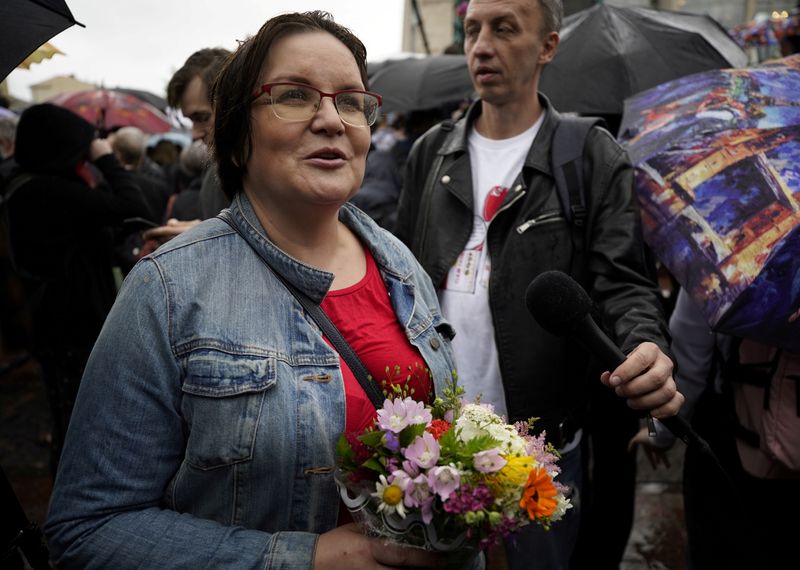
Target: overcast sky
x=140 y=43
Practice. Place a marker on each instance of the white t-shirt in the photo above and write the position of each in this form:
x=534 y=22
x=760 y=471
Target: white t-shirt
x=465 y=294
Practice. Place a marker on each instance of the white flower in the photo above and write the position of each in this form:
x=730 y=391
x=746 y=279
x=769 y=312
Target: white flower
x=390 y=497
x=479 y=419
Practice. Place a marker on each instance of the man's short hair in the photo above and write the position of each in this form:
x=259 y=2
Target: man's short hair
x=204 y=63
x=552 y=14
x=8 y=128
x=129 y=144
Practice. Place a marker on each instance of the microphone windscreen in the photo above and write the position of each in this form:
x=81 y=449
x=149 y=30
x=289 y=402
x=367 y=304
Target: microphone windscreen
x=557 y=302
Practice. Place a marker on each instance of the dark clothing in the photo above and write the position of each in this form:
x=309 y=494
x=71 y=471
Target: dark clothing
x=60 y=230
x=543 y=376
x=212 y=199
x=381 y=187
x=186 y=205
x=722 y=531
x=59 y=233
x=155 y=192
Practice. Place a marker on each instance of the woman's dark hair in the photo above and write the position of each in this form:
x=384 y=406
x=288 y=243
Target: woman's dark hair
x=238 y=80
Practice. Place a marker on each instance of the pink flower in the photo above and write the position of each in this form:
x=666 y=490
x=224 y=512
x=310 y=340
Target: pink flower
x=417 y=413
x=488 y=461
x=417 y=491
x=443 y=480
x=393 y=416
x=424 y=451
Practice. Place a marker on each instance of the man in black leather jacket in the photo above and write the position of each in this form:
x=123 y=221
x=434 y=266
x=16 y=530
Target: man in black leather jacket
x=518 y=231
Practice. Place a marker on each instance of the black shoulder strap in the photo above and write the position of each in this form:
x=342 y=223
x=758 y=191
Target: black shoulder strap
x=328 y=329
x=566 y=158
x=569 y=141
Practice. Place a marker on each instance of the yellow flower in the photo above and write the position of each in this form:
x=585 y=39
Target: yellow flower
x=516 y=470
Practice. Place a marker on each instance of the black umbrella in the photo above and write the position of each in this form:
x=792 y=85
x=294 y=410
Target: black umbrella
x=609 y=53
x=27 y=24
x=422 y=83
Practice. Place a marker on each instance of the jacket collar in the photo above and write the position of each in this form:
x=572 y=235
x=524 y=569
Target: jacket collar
x=312 y=281
x=539 y=154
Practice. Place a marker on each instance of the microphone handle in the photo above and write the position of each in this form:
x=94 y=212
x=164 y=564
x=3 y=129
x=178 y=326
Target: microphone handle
x=591 y=337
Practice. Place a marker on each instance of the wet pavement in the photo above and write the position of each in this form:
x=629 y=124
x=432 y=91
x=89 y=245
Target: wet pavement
x=657 y=542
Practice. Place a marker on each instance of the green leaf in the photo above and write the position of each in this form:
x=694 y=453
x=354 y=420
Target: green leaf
x=409 y=434
x=372 y=438
x=374 y=465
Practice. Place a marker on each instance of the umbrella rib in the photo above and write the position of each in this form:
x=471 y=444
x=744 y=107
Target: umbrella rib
x=68 y=17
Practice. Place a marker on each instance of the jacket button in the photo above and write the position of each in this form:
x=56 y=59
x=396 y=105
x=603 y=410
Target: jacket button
x=435 y=343
x=445 y=179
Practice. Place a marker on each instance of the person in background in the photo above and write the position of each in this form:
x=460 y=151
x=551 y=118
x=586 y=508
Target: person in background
x=487 y=220
x=8 y=135
x=194 y=164
x=205 y=431
x=60 y=228
x=720 y=533
x=189 y=89
x=129 y=145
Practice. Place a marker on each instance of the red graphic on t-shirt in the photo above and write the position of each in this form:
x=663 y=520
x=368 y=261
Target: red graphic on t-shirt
x=494 y=198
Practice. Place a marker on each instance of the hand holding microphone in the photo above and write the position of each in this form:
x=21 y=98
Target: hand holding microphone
x=561 y=306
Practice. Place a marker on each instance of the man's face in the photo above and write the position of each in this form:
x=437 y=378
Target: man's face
x=196 y=107
x=506 y=49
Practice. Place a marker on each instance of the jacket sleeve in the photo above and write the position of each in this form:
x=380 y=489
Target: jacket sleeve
x=126 y=441
x=627 y=297
x=108 y=204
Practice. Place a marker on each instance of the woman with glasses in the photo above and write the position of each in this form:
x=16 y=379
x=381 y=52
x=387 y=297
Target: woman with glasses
x=204 y=434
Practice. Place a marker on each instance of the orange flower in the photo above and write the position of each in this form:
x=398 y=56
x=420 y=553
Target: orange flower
x=438 y=428
x=538 y=498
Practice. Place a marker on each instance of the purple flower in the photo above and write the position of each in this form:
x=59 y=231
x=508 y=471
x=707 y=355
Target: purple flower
x=417 y=491
x=488 y=461
x=391 y=441
x=443 y=480
x=424 y=451
x=468 y=499
x=393 y=416
x=417 y=413
x=411 y=468
x=427 y=510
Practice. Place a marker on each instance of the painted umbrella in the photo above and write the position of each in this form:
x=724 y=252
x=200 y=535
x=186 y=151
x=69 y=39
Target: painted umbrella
x=108 y=109
x=717 y=157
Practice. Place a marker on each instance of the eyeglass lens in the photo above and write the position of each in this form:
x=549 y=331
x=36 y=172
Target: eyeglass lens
x=298 y=103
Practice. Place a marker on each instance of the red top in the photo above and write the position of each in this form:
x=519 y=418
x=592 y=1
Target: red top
x=364 y=315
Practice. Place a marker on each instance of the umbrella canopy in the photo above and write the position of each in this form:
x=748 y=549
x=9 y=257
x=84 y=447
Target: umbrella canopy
x=717 y=159
x=155 y=100
x=27 y=24
x=108 y=109
x=422 y=83
x=609 y=53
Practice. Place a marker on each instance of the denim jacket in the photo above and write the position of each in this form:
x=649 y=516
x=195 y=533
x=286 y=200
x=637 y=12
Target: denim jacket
x=205 y=429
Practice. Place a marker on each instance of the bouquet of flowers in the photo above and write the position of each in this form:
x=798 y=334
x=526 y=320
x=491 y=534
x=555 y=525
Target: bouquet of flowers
x=452 y=477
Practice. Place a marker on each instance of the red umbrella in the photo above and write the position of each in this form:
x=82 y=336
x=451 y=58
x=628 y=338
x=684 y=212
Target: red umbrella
x=109 y=109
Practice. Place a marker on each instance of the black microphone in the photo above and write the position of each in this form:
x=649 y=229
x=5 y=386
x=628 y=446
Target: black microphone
x=562 y=307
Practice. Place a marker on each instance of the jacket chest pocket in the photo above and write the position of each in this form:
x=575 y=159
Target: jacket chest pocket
x=223 y=397
x=545 y=237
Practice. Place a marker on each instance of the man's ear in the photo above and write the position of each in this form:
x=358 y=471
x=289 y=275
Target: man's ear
x=549 y=48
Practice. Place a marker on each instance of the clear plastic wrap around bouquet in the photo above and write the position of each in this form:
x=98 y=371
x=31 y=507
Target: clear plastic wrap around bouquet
x=452 y=477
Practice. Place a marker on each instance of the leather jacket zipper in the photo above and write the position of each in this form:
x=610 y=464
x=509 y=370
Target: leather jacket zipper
x=543 y=219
